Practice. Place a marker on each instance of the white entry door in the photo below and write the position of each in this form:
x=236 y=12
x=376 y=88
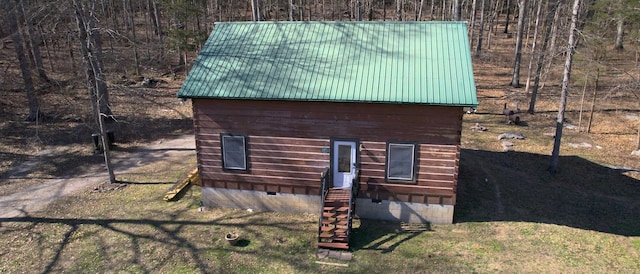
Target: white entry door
x=344 y=163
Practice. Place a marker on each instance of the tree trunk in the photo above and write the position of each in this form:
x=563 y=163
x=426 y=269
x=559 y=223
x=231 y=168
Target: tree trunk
x=47 y=46
x=533 y=48
x=515 y=81
x=554 y=34
x=134 y=41
x=114 y=18
x=301 y=10
x=472 y=25
x=498 y=11
x=555 y=155
x=491 y=20
x=480 y=30
x=290 y=10
x=158 y=27
x=158 y=20
x=256 y=14
x=399 y=10
x=152 y=18
x=593 y=100
x=638 y=138
x=508 y=17
x=91 y=47
x=553 y=5
x=432 y=15
x=72 y=57
x=420 y=10
x=90 y=44
x=619 y=34
x=125 y=16
x=584 y=91
x=33 y=41
x=34 y=108
x=457 y=10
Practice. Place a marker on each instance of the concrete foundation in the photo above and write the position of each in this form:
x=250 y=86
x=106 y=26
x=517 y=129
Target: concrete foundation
x=245 y=199
x=281 y=202
x=404 y=212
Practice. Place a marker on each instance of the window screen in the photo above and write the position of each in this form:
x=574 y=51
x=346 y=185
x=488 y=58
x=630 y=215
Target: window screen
x=234 y=152
x=400 y=162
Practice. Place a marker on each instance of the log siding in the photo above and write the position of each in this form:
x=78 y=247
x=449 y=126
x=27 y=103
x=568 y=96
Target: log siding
x=288 y=145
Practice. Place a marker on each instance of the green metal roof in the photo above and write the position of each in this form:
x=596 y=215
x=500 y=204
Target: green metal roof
x=382 y=62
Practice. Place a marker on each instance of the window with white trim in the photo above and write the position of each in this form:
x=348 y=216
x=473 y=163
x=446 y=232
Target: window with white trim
x=401 y=159
x=234 y=152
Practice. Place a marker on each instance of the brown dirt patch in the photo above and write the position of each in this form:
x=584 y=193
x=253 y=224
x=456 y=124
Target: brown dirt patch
x=62 y=141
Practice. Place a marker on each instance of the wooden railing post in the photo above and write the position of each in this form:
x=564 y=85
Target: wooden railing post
x=354 y=192
x=324 y=185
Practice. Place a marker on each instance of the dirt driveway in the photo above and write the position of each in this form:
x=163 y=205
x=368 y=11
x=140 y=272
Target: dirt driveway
x=33 y=198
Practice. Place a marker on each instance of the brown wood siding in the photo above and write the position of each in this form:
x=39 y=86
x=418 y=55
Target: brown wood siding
x=286 y=139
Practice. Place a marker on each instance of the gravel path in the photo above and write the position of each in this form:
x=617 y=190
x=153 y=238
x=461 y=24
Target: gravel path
x=37 y=197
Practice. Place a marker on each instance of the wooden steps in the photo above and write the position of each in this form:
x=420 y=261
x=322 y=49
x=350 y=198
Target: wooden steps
x=338 y=194
x=335 y=224
x=335 y=215
x=333 y=245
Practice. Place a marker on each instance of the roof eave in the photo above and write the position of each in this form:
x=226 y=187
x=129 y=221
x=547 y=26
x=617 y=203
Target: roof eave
x=472 y=104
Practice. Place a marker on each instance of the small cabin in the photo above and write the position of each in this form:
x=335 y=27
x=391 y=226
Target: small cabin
x=340 y=119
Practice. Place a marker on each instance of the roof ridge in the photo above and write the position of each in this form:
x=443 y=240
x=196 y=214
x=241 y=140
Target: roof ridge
x=340 y=22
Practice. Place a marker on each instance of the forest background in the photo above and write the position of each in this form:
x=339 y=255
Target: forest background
x=64 y=63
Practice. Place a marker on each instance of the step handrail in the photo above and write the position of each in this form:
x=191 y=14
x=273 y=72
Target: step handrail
x=324 y=187
x=355 y=184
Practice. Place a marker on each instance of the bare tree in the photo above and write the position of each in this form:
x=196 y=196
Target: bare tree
x=154 y=16
x=492 y=19
x=533 y=47
x=619 y=33
x=551 y=13
x=473 y=22
x=291 y=7
x=508 y=17
x=620 y=6
x=515 y=81
x=399 y=4
x=593 y=99
x=432 y=11
x=566 y=77
x=90 y=44
x=481 y=30
x=420 y=10
x=638 y=138
x=134 y=42
x=33 y=40
x=256 y=13
x=457 y=10
x=10 y=13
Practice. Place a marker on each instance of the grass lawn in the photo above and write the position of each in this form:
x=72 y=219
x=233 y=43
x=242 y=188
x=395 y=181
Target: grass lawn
x=133 y=230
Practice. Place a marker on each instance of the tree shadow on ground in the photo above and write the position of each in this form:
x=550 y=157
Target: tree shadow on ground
x=384 y=236
x=515 y=187
x=169 y=232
